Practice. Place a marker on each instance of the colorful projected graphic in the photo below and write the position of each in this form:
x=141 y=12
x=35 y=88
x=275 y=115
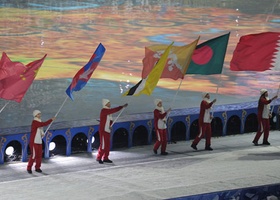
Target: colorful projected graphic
x=69 y=31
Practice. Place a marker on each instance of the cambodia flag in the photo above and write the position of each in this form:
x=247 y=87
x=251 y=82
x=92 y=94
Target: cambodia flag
x=257 y=52
x=84 y=74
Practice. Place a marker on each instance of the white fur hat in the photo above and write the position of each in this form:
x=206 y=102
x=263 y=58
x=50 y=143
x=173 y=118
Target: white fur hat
x=204 y=94
x=105 y=101
x=262 y=91
x=156 y=101
x=36 y=112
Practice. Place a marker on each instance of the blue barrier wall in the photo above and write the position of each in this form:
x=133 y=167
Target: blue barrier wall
x=233 y=119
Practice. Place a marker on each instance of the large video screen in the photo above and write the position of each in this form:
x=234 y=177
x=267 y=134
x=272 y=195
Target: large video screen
x=69 y=32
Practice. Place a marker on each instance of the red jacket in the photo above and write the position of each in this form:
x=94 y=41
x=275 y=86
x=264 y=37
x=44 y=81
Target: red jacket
x=158 y=115
x=103 y=116
x=35 y=124
x=262 y=101
x=204 y=105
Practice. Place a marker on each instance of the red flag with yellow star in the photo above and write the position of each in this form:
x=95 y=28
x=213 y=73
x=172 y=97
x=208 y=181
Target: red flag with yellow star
x=15 y=87
x=8 y=67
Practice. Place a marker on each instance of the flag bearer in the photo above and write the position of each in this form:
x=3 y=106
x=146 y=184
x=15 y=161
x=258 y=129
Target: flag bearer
x=35 y=143
x=204 y=122
x=263 y=117
x=160 y=127
x=106 y=121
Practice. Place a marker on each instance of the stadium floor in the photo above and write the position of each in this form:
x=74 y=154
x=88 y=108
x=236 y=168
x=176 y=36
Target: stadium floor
x=137 y=173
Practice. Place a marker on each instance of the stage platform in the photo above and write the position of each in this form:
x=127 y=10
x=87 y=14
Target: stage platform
x=139 y=174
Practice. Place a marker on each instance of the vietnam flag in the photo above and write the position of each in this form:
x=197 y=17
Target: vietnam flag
x=177 y=64
x=9 y=68
x=256 y=52
x=14 y=87
x=83 y=75
x=208 y=57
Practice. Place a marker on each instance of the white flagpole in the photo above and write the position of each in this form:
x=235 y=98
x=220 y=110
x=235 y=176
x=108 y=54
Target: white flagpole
x=217 y=89
x=4 y=106
x=186 y=63
x=174 y=98
x=56 y=114
x=167 y=115
x=172 y=103
x=274 y=103
x=118 y=116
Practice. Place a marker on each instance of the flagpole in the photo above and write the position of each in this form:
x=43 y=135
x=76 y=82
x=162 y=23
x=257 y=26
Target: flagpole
x=187 y=63
x=118 y=116
x=171 y=105
x=56 y=114
x=120 y=113
x=4 y=106
x=217 y=89
x=274 y=103
x=176 y=93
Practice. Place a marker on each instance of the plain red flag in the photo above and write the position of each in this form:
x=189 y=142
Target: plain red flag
x=15 y=87
x=9 y=68
x=256 y=52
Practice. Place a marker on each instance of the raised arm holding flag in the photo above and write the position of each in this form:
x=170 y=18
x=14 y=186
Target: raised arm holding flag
x=105 y=127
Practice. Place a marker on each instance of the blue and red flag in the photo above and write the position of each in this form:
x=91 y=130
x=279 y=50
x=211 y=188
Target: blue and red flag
x=84 y=74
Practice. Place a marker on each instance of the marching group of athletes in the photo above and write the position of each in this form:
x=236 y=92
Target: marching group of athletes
x=160 y=117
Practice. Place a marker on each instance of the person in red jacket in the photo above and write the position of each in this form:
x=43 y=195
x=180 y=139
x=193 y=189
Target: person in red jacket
x=160 y=127
x=35 y=143
x=105 y=128
x=263 y=117
x=204 y=122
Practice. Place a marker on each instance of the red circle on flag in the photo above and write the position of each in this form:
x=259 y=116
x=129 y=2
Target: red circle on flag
x=202 y=55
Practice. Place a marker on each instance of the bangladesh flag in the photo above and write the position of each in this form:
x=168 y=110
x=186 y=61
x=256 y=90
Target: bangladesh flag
x=208 y=57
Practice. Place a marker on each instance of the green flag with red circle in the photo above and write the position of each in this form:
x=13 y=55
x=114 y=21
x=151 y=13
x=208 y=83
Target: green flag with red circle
x=208 y=57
